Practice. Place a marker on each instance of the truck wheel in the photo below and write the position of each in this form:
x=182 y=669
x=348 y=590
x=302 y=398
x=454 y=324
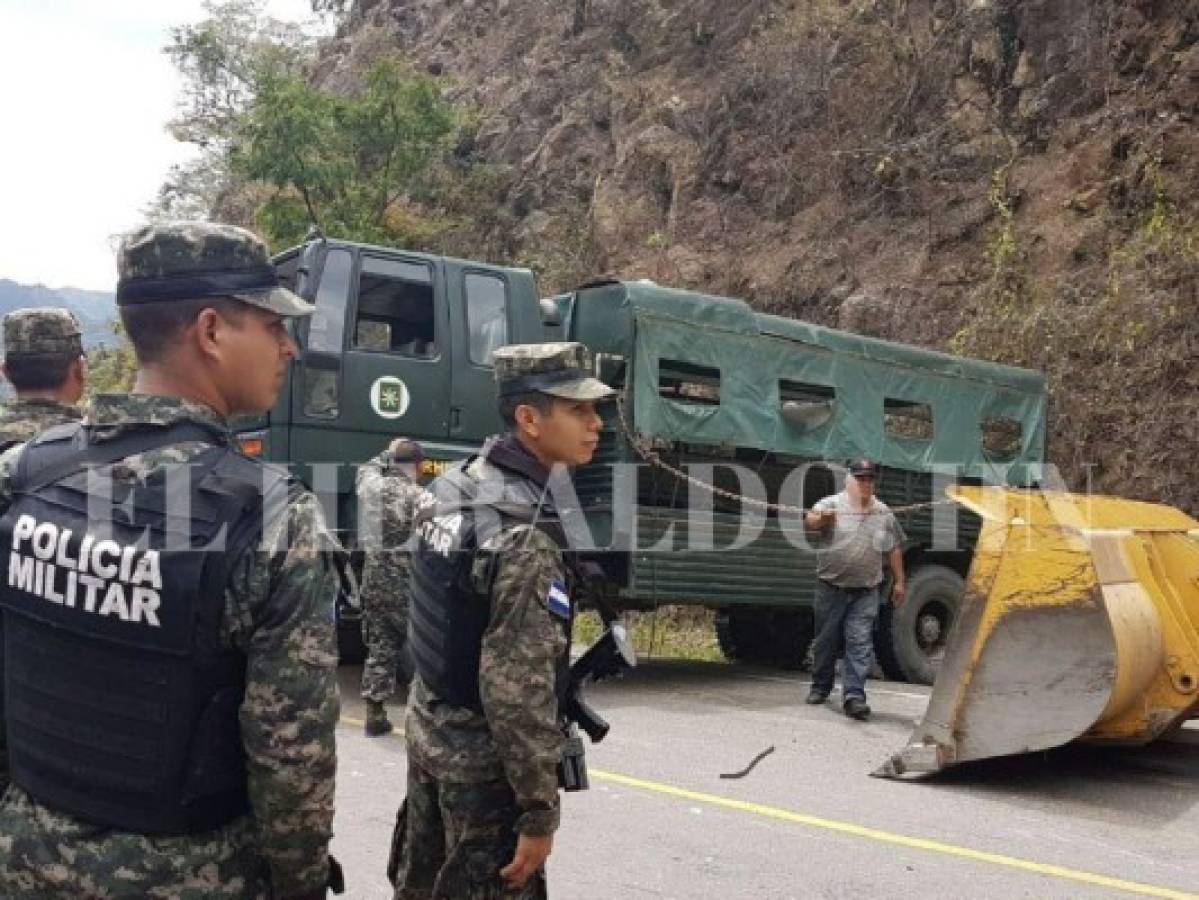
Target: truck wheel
x=731 y=635
x=764 y=636
x=920 y=628
x=793 y=631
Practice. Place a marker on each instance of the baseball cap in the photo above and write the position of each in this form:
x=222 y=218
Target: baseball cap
x=863 y=468
x=560 y=369
x=195 y=260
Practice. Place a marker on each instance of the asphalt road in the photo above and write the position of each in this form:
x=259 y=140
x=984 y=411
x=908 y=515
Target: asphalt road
x=807 y=821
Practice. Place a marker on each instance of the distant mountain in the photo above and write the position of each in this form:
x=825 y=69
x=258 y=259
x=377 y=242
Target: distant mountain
x=95 y=310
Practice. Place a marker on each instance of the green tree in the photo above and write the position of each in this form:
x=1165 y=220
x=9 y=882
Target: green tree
x=110 y=369
x=279 y=153
x=349 y=163
x=222 y=61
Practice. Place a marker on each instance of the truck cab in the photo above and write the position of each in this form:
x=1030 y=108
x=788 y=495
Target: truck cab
x=400 y=344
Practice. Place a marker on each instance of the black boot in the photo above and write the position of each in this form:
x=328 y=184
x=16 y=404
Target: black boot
x=377 y=722
x=856 y=708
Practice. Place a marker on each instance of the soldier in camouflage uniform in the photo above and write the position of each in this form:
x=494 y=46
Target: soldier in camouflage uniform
x=43 y=358
x=387 y=498
x=206 y=318
x=490 y=634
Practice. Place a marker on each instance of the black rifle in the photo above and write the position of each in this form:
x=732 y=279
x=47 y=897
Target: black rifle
x=608 y=657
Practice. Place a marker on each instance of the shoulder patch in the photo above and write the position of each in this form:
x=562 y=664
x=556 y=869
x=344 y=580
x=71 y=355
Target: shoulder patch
x=557 y=600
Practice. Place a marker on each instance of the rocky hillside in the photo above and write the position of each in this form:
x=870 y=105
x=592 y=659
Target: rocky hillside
x=1014 y=179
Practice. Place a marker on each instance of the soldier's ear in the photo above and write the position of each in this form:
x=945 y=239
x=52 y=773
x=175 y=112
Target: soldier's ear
x=205 y=331
x=528 y=420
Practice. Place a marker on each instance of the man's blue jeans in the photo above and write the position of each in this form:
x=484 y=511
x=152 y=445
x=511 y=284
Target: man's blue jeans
x=850 y=612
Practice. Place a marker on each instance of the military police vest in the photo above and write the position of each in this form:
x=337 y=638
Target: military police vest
x=122 y=703
x=451 y=578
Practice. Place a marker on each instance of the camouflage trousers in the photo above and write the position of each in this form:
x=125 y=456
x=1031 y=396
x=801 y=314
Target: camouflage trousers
x=384 y=627
x=47 y=855
x=451 y=840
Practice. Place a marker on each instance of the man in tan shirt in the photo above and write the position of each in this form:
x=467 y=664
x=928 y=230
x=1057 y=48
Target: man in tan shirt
x=850 y=570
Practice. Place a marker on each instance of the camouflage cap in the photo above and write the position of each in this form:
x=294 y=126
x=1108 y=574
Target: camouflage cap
x=558 y=369
x=42 y=329
x=194 y=260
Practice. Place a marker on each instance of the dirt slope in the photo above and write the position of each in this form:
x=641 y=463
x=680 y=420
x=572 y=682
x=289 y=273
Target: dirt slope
x=1014 y=180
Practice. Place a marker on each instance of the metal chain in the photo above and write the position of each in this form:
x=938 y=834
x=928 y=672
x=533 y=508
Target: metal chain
x=646 y=452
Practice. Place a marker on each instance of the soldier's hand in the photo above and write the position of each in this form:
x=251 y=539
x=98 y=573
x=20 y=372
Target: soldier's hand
x=531 y=854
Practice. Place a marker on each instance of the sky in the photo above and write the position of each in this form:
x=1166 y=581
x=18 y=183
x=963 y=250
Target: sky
x=85 y=95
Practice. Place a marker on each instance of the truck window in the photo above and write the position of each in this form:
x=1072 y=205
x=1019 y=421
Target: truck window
x=1002 y=437
x=806 y=405
x=685 y=382
x=326 y=328
x=486 y=316
x=395 y=308
x=908 y=419
x=320 y=389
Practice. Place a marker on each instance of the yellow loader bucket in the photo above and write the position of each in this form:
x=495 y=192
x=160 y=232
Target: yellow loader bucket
x=1080 y=620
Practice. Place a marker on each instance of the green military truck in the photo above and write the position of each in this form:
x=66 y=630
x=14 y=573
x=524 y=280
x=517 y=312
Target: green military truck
x=713 y=396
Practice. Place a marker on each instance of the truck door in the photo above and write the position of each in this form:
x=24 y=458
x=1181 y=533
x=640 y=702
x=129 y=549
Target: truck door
x=481 y=299
x=398 y=365
x=376 y=364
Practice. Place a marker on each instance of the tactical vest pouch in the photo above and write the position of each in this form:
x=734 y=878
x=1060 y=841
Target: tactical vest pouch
x=122 y=702
x=452 y=578
x=447 y=617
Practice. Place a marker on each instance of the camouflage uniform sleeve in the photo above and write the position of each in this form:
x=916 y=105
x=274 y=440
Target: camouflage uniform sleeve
x=283 y=597
x=7 y=461
x=387 y=507
x=369 y=486
x=517 y=670
x=372 y=470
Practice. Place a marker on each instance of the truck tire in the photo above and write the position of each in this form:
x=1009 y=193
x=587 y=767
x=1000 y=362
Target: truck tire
x=765 y=636
x=915 y=641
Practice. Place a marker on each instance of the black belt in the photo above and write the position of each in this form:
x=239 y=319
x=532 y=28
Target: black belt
x=838 y=587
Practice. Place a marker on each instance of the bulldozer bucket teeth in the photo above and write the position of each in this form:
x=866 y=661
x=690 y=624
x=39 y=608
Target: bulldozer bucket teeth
x=1080 y=620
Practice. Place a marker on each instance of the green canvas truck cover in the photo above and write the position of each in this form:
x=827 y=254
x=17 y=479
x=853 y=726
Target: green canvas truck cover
x=761 y=360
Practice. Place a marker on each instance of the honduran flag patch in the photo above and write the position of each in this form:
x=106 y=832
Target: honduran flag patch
x=557 y=600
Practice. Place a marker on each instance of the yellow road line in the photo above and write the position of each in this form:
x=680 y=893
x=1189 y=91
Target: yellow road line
x=876 y=834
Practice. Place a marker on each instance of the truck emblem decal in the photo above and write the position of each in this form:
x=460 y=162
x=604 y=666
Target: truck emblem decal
x=389 y=397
